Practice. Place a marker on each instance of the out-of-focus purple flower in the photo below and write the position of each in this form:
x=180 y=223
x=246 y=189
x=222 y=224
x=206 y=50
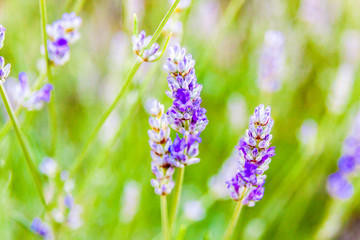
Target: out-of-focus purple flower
x=160 y=143
x=42 y=229
x=48 y=167
x=74 y=219
x=23 y=96
x=2 y=36
x=67 y=27
x=194 y=210
x=185 y=115
x=130 y=201
x=272 y=60
x=351 y=47
x=62 y=33
x=341 y=88
x=140 y=43
x=255 y=155
x=69 y=201
x=59 y=51
x=308 y=132
x=4 y=69
x=317 y=14
x=338 y=186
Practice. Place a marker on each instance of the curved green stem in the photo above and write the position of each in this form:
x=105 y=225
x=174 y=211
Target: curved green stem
x=24 y=146
x=123 y=90
x=164 y=218
x=234 y=219
x=177 y=197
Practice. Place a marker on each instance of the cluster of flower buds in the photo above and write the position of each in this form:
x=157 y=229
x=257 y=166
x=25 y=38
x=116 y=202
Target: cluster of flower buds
x=339 y=184
x=140 y=44
x=64 y=210
x=62 y=33
x=255 y=155
x=2 y=36
x=272 y=60
x=160 y=143
x=30 y=100
x=185 y=115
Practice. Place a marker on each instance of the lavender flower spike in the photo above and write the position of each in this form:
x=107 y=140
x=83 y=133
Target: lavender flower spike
x=185 y=115
x=140 y=42
x=339 y=185
x=255 y=155
x=2 y=36
x=59 y=51
x=160 y=142
x=24 y=97
x=272 y=60
x=42 y=229
x=4 y=70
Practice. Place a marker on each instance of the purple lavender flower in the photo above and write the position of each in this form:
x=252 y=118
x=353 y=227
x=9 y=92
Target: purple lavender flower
x=185 y=115
x=29 y=100
x=4 y=70
x=271 y=63
x=62 y=33
x=59 y=51
x=48 y=167
x=67 y=27
x=338 y=184
x=255 y=155
x=69 y=201
x=2 y=36
x=140 y=43
x=42 y=229
x=160 y=143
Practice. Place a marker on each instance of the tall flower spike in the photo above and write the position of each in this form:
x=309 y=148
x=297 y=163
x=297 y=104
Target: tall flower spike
x=339 y=185
x=185 y=115
x=255 y=155
x=160 y=142
x=140 y=42
x=29 y=100
x=2 y=36
x=271 y=63
x=4 y=70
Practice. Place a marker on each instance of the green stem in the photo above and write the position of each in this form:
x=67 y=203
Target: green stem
x=24 y=146
x=52 y=113
x=235 y=218
x=177 y=196
x=164 y=218
x=106 y=114
x=123 y=89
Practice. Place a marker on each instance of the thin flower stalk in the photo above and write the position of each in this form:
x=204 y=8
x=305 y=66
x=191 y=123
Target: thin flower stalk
x=234 y=219
x=123 y=89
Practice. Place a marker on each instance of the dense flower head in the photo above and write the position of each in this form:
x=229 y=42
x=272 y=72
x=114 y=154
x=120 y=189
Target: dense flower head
x=184 y=151
x=185 y=115
x=160 y=143
x=62 y=33
x=30 y=100
x=271 y=63
x=2 y=36
x=4 y=69
x=140 y=43
x=339 y=184
x=255 y=155
x=42 y=229
x=67 y=27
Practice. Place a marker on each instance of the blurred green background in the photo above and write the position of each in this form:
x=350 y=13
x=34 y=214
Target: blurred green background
x=225 y=38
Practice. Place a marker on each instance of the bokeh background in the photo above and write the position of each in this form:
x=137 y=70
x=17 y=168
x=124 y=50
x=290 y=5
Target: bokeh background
x=314 y=108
